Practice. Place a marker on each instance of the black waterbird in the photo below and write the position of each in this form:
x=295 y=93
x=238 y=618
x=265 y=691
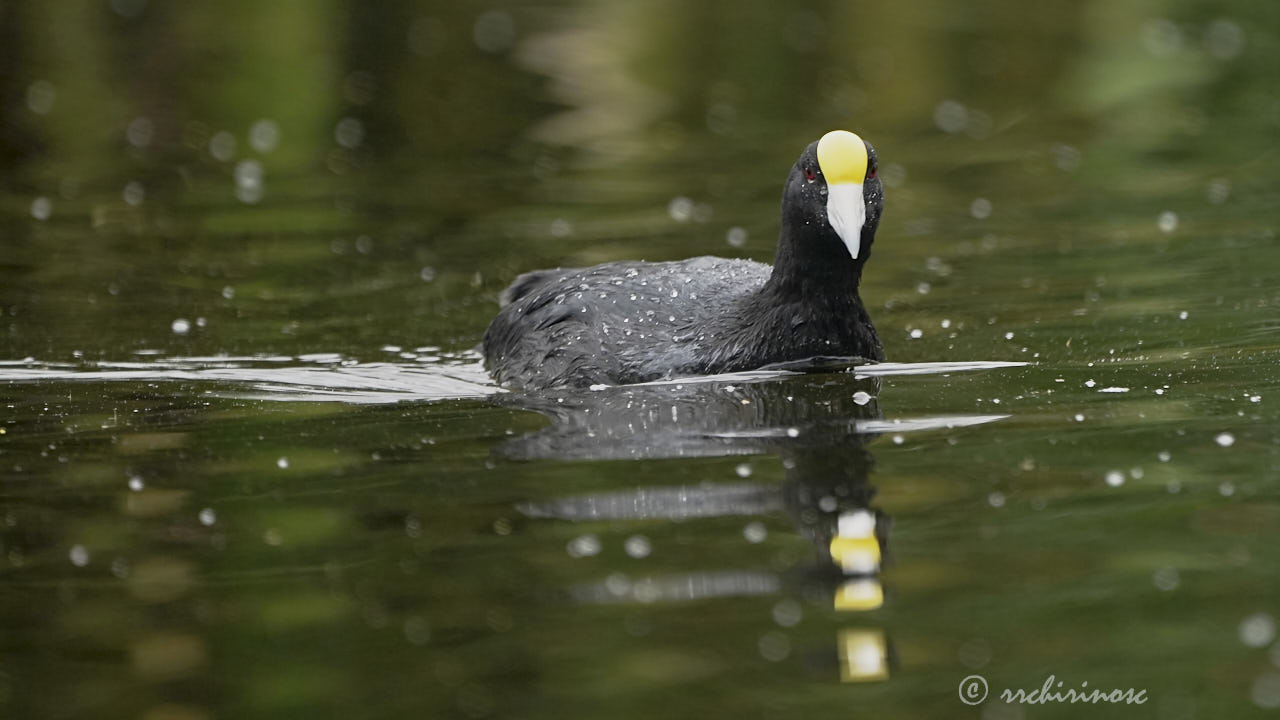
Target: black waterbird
x=629 y=322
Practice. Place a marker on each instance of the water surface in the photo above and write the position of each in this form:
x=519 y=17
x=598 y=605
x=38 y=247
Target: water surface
x=250 y=465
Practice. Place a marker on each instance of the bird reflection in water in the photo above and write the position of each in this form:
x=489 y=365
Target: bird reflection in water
x=817 y=424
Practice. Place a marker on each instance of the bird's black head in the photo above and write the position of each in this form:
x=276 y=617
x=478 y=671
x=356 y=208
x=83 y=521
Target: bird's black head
x=831 y=207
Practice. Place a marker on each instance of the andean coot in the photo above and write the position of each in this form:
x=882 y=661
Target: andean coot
x=628 y=322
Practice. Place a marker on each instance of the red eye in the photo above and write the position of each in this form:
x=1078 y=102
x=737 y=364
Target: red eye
x=808 y=174
x=871 y=173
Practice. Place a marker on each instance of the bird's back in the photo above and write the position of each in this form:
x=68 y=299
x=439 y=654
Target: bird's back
x=615 y=323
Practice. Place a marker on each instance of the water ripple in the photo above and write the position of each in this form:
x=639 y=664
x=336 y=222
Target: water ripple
x=328 y=377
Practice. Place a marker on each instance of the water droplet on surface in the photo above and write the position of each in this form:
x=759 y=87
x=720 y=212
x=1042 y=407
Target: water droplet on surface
x=755 y=532
x=861 y=398
x=140 y=131
x=136 y=484
x=248 y=177
x=916 y=333
x=134 y=193
x=1225 y=439
x=1218 y=190
x=950 y=116
x=637 y=546
x=264 y=135
x=1161 y=37
x=583 y=546
x=743 y=470
x=893 y=175
x=1066 y=157
x=774 y=646
x=680 y=209
x=349 y=133
x=282 y=463
x=1168 y=221
x=79 y=555
x=1224 y=39
x=561 y=228
x=208 y=517
x=1265 y=691
x=222 y=146
x=1115 y=478
x=41 y=208
x=248 y=172
x=180 y=326
x=618 y=584
x=787 y=613
x=1257 y=630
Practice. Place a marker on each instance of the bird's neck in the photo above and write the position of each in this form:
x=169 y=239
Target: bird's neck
x=811 y=302
x=812 y=266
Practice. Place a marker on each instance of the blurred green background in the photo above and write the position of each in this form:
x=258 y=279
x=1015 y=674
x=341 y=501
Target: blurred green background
x=190 y=187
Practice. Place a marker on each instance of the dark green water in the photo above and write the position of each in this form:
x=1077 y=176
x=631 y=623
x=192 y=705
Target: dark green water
x=249 y=466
